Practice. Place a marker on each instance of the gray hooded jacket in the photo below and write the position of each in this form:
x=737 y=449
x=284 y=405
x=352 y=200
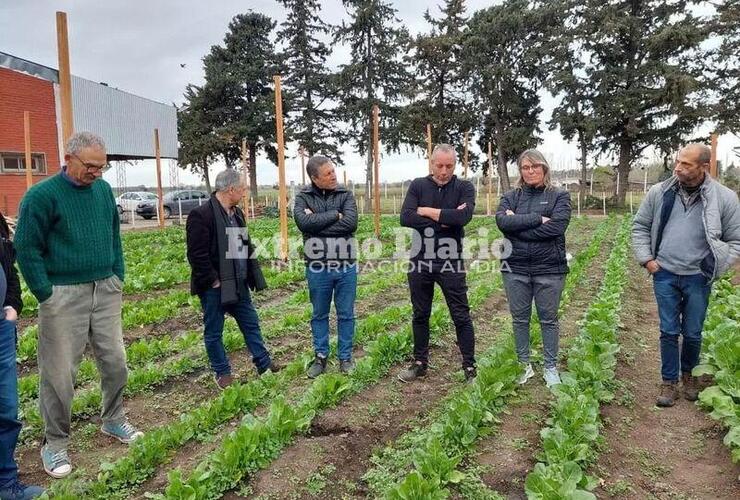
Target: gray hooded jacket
x=720 y=216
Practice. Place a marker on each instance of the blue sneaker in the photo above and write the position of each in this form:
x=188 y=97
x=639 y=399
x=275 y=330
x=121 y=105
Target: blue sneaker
x=19 y=491
x=124 y=432
x=56 y=464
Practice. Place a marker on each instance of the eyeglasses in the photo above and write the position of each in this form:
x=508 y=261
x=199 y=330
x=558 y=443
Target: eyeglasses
x=532 y=167
x=91 y=167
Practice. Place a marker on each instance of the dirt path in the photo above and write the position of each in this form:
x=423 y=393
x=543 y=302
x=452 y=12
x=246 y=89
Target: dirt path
x=651 y=452
x=504 y=459
x=337 y=451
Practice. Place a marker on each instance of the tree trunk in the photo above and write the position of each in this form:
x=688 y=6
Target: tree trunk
x=584 y=178
x=625 y=154
x=503 y=170
x=206 y=177
x=253 y=170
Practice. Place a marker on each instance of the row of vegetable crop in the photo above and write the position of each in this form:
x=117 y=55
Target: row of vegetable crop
x=258 y=441
x=568 y=442
x=116 y=479
x=424 y=462
x=720 y=358
x=187 y=355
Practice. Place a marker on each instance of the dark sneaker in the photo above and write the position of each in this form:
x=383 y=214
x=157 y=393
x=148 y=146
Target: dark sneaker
x=346 y=366
x=56 y=464
x=416 y=370
x=470 y=373
x=223 y=381
x=317 y=367
x=668 y=394
x=124 y=432
x=690 y=386
x=273 y=368
x=19 y=491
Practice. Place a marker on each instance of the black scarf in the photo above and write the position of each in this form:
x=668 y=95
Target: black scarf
x=227 y=273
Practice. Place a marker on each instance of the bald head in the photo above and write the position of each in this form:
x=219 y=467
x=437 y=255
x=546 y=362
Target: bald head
x=701 y=153
x=692 y=164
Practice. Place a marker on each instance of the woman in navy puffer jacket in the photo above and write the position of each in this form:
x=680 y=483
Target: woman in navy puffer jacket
x=534 y=217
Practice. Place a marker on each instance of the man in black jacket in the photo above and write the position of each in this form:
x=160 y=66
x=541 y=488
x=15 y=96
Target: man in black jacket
x=11 y=306
x=224 y=268
x=326 y=214
x=438 y=207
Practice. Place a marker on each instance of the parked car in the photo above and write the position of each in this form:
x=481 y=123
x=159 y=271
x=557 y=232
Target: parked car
x=129 y=201
x=172 y=202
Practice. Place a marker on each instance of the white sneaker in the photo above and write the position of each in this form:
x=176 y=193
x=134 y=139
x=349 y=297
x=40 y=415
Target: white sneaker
x=528 y=374
x=551 y=376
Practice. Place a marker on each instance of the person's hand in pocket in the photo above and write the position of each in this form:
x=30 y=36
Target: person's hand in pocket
x=11 y=314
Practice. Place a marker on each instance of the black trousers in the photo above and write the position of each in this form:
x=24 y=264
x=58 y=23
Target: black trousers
x=455 y=290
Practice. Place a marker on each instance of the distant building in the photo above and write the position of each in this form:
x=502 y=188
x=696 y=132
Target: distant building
x=125 y=121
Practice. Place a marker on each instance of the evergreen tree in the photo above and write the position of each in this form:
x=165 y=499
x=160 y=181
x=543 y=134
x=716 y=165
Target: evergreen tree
x=199 y=146
x=238 y=94
x=503 y=60
x=442 y=96
x=376 y=75
x=309 y=86
x=646 y=67
x=726 y=66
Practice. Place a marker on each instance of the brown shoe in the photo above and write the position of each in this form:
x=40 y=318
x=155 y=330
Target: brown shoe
x=224 y=381
x=668 y=394
x=690 y=386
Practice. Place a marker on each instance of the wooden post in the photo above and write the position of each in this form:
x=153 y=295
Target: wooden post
x=65 y=77
x=603 y=201
x=465 y=156
x=27 y=135
x=302 y=152
x=631 y=207
x=578 y=197
x=283 y=204
x=344 y=173
x=160 y=202
x=490 y=184
x=395 y=207
x=245 y=172
x=429 y=146
x=713 y=158
x=376 y=158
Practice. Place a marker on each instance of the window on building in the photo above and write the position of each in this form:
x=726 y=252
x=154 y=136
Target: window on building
x=16 y=163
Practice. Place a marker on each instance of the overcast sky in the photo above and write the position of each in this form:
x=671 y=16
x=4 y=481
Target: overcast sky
x=140 y=45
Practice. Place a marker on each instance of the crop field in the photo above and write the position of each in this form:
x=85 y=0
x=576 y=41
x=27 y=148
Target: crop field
x=367 y=435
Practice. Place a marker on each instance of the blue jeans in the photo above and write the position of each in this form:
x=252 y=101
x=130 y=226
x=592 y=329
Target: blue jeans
x=341 y=283
x=10 y=427
x=214 y=314
x=682 y=307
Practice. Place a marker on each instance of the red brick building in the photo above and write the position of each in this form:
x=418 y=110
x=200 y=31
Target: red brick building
x=126 y=126
x=20 y=92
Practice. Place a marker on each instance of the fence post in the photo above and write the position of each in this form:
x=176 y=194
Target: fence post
x=603 y=201
x=578 y=198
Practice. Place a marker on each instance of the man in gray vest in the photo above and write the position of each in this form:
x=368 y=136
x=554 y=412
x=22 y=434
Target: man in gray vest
x=686 y=234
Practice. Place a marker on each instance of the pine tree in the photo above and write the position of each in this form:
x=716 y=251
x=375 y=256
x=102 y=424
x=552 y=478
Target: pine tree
x=503 y=61
x=646 y=67
x=375 y=75
x=442 y=96
x=199 y=145
x=726 y=66
x=238 y=94
x=309 y=86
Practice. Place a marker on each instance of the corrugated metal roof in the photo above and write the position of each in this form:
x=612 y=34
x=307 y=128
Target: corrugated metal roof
x=126 y=122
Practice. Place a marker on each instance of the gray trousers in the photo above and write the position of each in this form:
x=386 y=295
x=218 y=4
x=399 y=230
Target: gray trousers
x=546 y=290
x=73 y=316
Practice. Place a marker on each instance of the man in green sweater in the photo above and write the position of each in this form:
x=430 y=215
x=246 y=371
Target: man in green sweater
x=69 y=251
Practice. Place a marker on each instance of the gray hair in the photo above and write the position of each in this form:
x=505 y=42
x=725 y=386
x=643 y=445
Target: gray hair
x=83 y=140
x=534 y=156
x=229 y=178
x=705 y=152
x=444 y=148
x=314 y=165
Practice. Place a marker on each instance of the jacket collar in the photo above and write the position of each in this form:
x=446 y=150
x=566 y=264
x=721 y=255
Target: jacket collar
x=430 y=178
x=672 y=183
x=312 y=188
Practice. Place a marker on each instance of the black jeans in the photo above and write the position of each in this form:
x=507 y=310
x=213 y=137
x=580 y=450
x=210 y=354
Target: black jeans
x=455 y=290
